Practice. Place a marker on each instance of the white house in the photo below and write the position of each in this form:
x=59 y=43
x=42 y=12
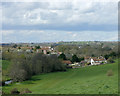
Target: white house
x=95 y=60
x=98 y=61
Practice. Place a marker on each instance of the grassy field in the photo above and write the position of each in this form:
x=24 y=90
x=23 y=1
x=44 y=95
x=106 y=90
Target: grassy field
x=5 y=66
x=87 y=80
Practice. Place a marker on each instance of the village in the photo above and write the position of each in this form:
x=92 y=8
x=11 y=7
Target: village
x=88 y=61
x=48 y=50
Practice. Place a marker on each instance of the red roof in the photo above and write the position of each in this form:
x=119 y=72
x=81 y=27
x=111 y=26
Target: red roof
x=26 y=47
x=98 y=59
x=43 y=49
x=87 y=57
x=82 y=62
x=67 y=62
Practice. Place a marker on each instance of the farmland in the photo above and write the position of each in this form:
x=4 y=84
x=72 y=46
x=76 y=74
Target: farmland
x=86 y=80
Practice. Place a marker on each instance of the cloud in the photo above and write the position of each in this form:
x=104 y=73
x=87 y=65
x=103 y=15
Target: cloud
x=74 y=35
x=7 y=32
x=55 y=36
x=59 y=1
x=69 y=32
x=60 y=15
x=70 y=20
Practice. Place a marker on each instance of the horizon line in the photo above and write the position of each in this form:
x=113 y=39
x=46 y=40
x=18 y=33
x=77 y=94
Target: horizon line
x=64 y=41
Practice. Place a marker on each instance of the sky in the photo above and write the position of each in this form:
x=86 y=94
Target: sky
x=59 y=21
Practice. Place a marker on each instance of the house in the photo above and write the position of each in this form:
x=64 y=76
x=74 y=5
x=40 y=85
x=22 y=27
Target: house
x=54 y=53
x=29 y=51
x=71 y=65
x=82 y=63
x=95 y=60
x=20 y=50
x=76 y=65
x=43 y=50
x=67 y=62
x=87 y=59
x=98 y=61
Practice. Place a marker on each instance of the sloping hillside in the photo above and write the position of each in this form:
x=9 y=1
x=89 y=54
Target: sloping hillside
x=87 y=80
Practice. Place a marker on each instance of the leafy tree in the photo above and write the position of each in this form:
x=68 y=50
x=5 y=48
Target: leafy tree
x=106 y=56
x=110 y=60
x=75 y=58
x=19 y=47
x=44 y=64
x=80 y=59
x=62 y=56
x=19 y=70
x=8 y=50
x=113 y=54
x=37 y=47
x=25 y=65
x=93 y=55
x=8 y=55
x=48 y=52
x=15 y=46
x=34 y=49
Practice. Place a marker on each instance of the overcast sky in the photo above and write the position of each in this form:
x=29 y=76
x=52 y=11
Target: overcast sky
x=59 y=21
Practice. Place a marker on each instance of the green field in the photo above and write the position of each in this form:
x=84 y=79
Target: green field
x=5 y=67
x=87 y=80
x=5 y=64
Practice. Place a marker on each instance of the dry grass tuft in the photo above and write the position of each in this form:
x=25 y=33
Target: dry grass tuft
x=110 y=73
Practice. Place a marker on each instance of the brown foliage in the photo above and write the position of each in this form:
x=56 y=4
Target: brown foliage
x=110 y=73
x=15 y=91
x=24 y=91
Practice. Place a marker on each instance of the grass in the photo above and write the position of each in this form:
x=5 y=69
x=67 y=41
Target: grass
x=5 y=65
x=87 y=80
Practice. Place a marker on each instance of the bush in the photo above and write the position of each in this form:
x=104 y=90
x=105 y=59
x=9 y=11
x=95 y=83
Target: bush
x=110 y=73
x=110 y=60
x=62 y=56
x=3 y=92
x=102 y=62
x=2 y=83
x=24 y=91
x=75 y=58
x=15 y=91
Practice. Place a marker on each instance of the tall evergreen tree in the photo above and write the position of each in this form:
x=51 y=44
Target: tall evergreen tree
x=62 y=56
x=75 y=58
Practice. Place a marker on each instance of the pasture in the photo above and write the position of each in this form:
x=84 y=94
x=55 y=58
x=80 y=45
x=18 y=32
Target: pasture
x=86 y=80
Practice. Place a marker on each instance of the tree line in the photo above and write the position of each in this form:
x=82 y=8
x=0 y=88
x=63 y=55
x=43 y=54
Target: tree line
x=74 y=58
x=93 y=50
x=110 y=57
x=23 y=67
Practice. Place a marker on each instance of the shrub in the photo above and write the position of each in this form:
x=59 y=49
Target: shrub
x=110 y=73
x=110 y=60
x=15 y=91
x=3 y=92
x=75 y=58
x=62 y=56
x=102 y=62
x=24 y=91
x=2 y=83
